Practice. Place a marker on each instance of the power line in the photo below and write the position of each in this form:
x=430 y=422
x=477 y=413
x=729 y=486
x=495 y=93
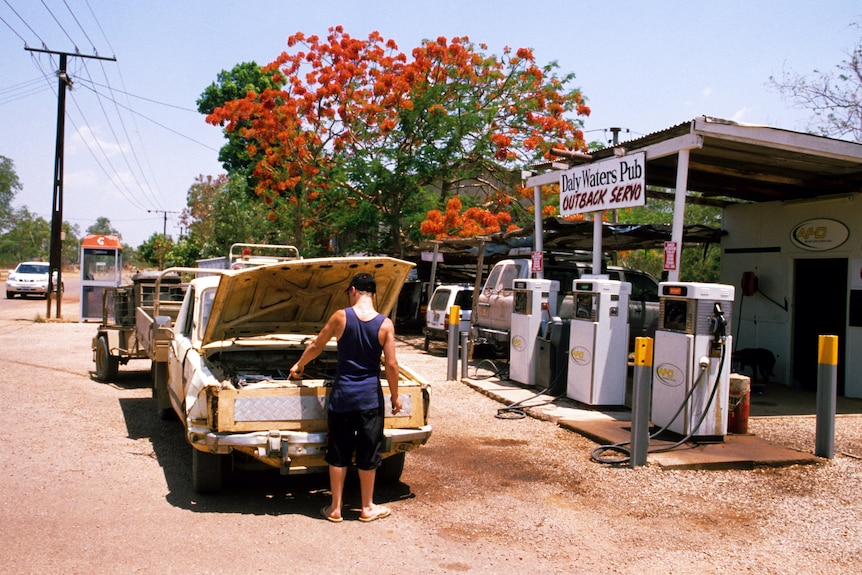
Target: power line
x=75 y=18
x=25 y=23
x=61 y=27
x=159 y=124
x=144 y=98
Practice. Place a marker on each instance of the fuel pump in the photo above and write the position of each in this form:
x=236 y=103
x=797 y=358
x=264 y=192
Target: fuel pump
x=691 y=359
x=534 y=302
x=598 y=341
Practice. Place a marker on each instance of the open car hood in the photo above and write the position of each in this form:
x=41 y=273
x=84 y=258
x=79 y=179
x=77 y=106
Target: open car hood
x=296 y=297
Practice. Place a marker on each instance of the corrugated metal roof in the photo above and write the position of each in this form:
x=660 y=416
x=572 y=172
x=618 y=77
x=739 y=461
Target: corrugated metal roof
x=750 y=162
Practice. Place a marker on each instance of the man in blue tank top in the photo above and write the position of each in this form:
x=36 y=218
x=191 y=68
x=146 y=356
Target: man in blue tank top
x=356 y=409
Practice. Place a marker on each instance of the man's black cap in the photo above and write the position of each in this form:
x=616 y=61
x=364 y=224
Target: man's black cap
x=363 y=282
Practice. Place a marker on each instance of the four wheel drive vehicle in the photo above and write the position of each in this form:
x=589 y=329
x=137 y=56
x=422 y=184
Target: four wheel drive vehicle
x=29 y=278
x=235 y=338
x=136 y=323
x=437 y=313
x=493 y=318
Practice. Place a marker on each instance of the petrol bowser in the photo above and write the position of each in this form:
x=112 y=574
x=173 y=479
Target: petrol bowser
x=534 y=302
x=598 y=342
x=691 y=359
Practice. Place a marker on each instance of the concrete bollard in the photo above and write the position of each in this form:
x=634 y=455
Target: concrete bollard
x=827 y=400
x=452 y=352
x=641 y=393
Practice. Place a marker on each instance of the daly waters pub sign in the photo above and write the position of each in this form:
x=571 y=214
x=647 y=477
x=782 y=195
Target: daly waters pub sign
x=607 y=185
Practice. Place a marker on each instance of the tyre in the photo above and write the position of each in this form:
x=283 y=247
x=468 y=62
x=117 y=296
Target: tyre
x=207 y=471
x=107 y=365
x=10 y=295
x=425 y=347
x=390 y=471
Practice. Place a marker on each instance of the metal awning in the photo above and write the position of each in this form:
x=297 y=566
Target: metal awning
x=748 y=162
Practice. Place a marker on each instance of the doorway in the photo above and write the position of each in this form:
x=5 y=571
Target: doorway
x=820 y=308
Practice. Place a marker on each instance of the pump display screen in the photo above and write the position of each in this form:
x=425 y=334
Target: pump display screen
x=678 y=291
x=584 y=286
x=675 y=312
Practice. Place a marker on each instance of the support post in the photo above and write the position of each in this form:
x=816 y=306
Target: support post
x=464 y=355
x=641 y=401
x=679 y=210
x=452 y=352
x=538 y=239
x=827 y=391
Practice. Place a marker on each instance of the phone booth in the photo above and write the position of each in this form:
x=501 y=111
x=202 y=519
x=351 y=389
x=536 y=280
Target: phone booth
x=101 y=267
x=691 y=358
x=534 y=302
x=598 y=344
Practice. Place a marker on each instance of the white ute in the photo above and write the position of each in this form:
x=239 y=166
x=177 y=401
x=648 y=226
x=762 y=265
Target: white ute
x=234 y=340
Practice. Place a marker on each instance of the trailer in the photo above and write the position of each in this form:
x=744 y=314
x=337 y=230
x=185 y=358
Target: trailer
x=136 y=322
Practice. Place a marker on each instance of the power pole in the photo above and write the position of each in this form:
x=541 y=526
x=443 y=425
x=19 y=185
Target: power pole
x=165 y=219
x=164 y=233
x=56 y=251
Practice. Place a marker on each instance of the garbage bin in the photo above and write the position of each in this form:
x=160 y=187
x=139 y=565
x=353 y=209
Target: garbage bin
x=552 y=365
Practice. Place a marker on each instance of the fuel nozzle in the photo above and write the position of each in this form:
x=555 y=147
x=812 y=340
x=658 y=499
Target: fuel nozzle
x=718 y=327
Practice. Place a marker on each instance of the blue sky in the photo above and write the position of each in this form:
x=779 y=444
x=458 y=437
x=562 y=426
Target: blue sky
x=643 y=66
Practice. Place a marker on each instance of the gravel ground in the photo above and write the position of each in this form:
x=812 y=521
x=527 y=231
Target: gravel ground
x=94 y=484
x=798 y=519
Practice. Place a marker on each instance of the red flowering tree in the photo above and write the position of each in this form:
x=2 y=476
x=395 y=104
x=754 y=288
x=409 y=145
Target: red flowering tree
x=359 y=134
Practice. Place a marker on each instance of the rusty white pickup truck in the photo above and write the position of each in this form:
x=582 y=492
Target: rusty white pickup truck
x=236 y=335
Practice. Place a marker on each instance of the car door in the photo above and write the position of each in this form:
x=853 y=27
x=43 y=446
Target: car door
x=181 y=345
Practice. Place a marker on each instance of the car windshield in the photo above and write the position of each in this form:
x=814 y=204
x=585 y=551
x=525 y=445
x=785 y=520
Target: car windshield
x=32 y=269
x=207 y=298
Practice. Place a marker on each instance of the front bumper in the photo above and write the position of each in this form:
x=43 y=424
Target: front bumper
x=27 y=288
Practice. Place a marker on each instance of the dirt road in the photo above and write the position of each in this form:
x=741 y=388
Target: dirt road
x=94 y=482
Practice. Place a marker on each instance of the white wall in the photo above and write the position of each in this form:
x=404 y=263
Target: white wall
x=769 y=225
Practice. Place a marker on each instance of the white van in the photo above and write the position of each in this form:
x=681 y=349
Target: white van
x=437 y=314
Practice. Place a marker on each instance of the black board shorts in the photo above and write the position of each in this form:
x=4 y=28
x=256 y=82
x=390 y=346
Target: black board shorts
x=359 y=432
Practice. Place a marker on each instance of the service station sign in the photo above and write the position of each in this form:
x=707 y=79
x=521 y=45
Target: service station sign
x=819 y=234
x=607 y=185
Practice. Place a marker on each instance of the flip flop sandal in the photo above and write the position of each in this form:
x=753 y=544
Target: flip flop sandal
x=384 y=512
x=325 y=514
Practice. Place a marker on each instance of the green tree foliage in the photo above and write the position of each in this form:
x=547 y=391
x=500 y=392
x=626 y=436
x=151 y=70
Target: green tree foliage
x=28 y=238
x=9 y=186
x=220 y=212
x=155 y=251
x=697 y=262
x=103 y=227
x=71 y=244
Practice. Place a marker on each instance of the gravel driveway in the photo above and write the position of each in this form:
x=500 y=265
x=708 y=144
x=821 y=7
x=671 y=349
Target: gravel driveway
x=93 y=482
